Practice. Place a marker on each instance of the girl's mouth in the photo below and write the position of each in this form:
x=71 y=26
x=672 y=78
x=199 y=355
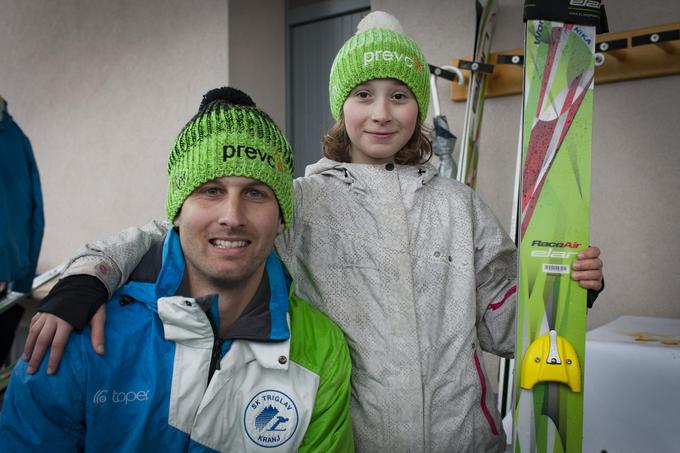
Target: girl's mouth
x=381 y=134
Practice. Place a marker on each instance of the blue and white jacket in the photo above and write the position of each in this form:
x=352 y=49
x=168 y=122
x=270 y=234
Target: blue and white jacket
x=279 y=381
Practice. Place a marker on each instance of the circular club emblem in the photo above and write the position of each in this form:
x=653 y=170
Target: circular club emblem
x=270 y=418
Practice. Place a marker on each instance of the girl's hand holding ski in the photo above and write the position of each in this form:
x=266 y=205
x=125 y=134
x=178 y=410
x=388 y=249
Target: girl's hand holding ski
x=587 y=269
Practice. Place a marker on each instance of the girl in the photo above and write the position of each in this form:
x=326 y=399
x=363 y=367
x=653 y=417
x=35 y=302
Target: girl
x=414 y=268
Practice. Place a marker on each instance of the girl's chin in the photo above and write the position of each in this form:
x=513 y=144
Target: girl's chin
x=373 y=158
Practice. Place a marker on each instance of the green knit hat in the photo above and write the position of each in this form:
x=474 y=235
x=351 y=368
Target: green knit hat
x=379 y=50
x=230 y=136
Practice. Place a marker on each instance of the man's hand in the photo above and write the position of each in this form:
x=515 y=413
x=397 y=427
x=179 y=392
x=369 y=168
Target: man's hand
x=587 y=269
x=48 y=330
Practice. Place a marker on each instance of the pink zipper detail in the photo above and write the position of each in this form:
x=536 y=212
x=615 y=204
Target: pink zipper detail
x=497 y=305
x=485 y=409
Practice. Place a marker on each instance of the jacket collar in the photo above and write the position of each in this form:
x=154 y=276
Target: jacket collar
x=370 y=173
x=263 y=319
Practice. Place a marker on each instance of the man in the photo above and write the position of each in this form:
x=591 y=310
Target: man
x=209 y=349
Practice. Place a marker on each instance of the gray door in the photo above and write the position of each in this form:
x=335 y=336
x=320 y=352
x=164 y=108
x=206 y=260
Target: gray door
x=315 y=34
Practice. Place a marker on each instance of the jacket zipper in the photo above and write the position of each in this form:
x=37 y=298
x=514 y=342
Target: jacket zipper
x=217 y=348
x=215 y=358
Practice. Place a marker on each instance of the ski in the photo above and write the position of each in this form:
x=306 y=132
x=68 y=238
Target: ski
x=479 y=69
x=552 y=223
x=506 y=367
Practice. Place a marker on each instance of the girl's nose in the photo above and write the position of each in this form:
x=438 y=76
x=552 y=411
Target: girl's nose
x=381 y=111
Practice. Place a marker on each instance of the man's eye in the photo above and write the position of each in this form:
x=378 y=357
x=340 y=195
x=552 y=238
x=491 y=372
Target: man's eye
x=211 y=191
x=254 y=193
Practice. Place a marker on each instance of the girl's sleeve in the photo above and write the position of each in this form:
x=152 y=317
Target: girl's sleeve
x=496 y=276
x=97 y=271
x=112 y=260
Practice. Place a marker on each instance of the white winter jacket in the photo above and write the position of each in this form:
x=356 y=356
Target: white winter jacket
x=420 y=276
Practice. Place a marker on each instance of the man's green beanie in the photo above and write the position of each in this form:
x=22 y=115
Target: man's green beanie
x=230 y=136
x=379 y=50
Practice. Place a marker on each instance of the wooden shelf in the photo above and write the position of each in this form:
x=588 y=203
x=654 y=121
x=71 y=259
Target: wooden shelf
x=639 y=59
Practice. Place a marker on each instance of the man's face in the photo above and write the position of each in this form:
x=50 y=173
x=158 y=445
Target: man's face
x=227 y=229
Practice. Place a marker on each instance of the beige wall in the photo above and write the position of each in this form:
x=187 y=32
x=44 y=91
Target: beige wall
x=257 y=52
x=102 y=88
x=636 y=163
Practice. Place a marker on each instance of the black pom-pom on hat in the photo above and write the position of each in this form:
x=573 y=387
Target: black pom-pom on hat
x=227 y=94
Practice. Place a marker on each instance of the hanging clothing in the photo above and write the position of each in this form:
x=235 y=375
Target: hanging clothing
x=21 y=206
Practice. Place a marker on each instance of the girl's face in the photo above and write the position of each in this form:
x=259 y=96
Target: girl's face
x=380 y=118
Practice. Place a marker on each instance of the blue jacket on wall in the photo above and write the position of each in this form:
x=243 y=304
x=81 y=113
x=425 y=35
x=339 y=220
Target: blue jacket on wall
x=21 y=207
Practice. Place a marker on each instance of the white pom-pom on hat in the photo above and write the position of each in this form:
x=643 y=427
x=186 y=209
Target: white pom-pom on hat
x=379 y=19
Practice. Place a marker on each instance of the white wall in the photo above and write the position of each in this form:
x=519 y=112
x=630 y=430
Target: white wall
x=102 y=88
x=636 y=163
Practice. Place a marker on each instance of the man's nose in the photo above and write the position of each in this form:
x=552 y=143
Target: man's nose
x=232 y=212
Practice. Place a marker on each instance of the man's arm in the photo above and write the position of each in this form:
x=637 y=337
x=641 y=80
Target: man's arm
x=45 y=414
x=330 y=429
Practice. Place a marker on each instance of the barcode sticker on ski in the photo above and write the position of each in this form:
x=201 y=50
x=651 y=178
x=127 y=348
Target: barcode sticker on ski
x=555 y=268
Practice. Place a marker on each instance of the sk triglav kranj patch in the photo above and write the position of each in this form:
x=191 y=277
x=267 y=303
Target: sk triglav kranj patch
x=271 y=418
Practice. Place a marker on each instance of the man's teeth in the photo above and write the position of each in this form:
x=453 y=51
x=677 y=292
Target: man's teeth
x=228 y=244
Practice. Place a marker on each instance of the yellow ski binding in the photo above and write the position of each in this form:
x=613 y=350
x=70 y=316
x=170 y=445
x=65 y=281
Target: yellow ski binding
x=551 y=358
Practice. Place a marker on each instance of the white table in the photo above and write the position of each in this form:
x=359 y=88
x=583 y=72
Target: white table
x=632 y=386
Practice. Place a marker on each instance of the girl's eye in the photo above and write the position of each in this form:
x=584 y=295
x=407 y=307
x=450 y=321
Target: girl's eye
x=400 y=96
x=361 y=94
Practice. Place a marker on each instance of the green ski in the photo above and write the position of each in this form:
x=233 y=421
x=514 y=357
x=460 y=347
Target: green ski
x=552 y=223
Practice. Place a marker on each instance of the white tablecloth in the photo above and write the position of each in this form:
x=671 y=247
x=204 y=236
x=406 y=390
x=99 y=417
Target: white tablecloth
x=632 y=386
